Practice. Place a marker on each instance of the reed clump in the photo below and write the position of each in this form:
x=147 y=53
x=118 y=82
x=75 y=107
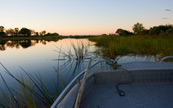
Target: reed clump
x=74 y=54
x=34 y=93
x=113 y=45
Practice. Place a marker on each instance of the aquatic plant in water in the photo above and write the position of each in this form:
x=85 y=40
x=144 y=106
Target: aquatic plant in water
x=74 y=55
x=33 y=93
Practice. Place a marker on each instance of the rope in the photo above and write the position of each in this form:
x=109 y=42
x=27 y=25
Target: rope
x=121 y=92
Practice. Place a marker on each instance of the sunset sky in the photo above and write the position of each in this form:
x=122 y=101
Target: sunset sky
x=84 y=17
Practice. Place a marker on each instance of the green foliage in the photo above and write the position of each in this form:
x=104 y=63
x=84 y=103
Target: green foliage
x=158 y=30
x=138 y=28
x=113 y=46
x=52 y=34
x=122 y=32
x=42 y=33
x=25 y=32
x=2 y=33
x=16 y=31
x=28 y=96
x=2 y=28
x=10 y=32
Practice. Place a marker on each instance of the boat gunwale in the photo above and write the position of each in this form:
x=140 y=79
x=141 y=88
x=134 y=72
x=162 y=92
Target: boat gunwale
x=71 y=85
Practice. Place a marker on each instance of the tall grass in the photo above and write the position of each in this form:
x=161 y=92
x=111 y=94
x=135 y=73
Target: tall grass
x=75 y=54
x=34 y=92
x=113 y=46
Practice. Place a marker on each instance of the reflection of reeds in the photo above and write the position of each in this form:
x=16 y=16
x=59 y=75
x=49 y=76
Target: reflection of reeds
x=31 y=90
x=78 y=51
x=75 y=54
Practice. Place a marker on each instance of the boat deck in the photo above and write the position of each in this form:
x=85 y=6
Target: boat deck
x=150 y=86
x=140 y=66
x=138 y=95
x=147 y=66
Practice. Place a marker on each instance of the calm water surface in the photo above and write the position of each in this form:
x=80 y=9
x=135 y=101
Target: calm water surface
x=42 y=57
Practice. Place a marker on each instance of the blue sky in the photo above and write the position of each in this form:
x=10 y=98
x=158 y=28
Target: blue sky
x=79 y=17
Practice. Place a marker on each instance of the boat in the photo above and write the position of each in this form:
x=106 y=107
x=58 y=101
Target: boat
x=131 y=85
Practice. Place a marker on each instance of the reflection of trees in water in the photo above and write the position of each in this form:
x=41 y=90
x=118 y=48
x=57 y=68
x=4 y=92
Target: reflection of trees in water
x=43 y=42
x=2 y=45
x=13 y=44
x=20 y=43
x=26 y=43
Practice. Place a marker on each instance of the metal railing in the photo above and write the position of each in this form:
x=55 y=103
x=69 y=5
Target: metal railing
x=69 y=86
x=79 y=95
x=167 y=57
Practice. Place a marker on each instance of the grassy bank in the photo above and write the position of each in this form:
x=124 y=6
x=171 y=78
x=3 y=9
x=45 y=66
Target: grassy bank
x=30 y=37
x=113 y=46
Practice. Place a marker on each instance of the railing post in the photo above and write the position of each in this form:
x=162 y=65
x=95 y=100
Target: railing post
x=78 y=81
x=66 y=90
x=167 y=57
x=78 y=99
x=100 y=64
x=68 y=87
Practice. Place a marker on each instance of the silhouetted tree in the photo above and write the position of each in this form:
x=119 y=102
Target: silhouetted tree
x=138 y=28
x=48 y=34
x=33 y=32
x=36 y=33
x=52 y=34
x=2 y=28
x=25 y=32
x=122 y=32
x=145 y=32
x=162 y=29
x=55 y=34
x=40 y=34
x=10 y=32
x=170 y=31
x=104 y=34
x=43 y=32
x=2 y=33
x=16 y=30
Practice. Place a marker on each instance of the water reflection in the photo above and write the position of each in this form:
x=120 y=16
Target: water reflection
x=41 y=58
x=4 y=44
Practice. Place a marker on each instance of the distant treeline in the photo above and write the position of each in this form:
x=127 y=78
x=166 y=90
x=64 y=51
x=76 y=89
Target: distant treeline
x=139 y=29
x=23 y=32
